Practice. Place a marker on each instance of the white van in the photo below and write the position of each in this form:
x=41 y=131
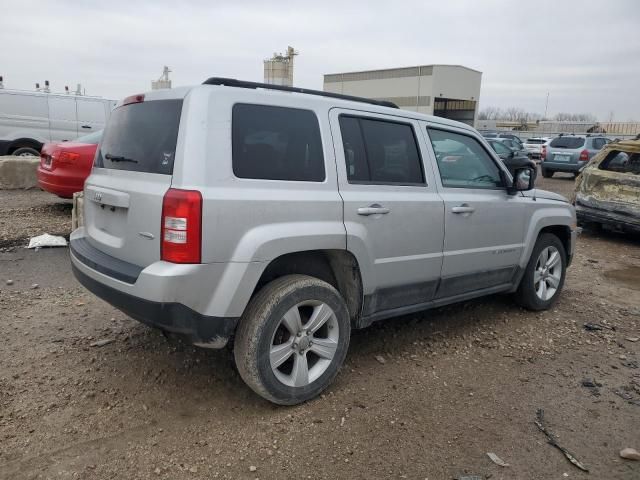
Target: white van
x=29 y=119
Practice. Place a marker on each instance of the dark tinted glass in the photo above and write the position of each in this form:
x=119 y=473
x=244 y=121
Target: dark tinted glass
x=141 y=137
x=354 y=152
x=535 y=141
x=276 y=143
x=392 y=152
x=567 y=142
x=598 y=143
x=622 y=162
x=500 y=148
x=463 y=162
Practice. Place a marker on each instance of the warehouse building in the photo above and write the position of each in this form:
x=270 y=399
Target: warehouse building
x=450 y=91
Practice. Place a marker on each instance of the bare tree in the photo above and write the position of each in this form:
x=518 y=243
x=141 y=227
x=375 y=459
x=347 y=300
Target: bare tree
x=489 y=113
x=517 y=114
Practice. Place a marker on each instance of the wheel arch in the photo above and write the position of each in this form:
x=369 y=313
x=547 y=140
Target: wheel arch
x=24 y=142
x=339 y=268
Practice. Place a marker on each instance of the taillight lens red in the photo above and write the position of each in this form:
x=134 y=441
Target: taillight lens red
x=139 y=98
x=181 y=226
x=543 y=154
x=67 y=158
x=584 y=155
x=45 y=161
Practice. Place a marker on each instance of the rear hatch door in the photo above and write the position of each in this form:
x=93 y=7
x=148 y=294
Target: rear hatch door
x=132 y=172
x=565 y=149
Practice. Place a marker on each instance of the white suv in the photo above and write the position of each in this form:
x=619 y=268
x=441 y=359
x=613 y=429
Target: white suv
x=282 y=218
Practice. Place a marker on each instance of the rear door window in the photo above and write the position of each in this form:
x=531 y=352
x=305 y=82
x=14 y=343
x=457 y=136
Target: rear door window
x=141 y=137
x=567 y=142
x=276 y=143
x=380 y=152
x=598 y=143
x=623 y=162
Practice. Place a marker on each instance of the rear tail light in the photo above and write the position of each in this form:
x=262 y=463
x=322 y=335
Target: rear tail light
x=584 y=155
x=67 y=158
x=181 y=226
x=45 y=161
x=139 y=98
x=543 y=153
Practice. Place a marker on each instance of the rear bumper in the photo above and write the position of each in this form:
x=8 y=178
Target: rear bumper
x=561 y=166
x=201 y=301
x=201 y=330
x=59 y=184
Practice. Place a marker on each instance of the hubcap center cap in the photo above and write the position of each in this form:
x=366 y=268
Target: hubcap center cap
x=303 y=343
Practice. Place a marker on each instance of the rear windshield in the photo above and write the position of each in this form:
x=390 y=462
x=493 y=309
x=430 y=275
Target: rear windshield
x=535 y=141
x=92 y=138
x=141 y=137
x=567 y=142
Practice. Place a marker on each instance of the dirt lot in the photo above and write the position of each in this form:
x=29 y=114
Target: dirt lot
x=454 y=383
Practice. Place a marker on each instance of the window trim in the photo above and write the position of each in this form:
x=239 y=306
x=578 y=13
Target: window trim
x=498 y=166
x=322 y=150
x=386 y=120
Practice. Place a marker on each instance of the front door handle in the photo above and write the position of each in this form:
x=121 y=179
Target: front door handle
x=86 y=126
x=464 y=208
x=374 y=209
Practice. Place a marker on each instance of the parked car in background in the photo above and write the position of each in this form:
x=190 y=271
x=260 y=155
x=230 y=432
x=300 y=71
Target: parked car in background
x=607 y=191
x=30 y=119
x=514 y=145
x=501 y=135
x=64 y=166
x=193 y=223
x=534 y=145
x=569 y=153
x=511 y=158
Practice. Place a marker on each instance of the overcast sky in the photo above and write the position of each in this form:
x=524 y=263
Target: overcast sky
x=585 y=54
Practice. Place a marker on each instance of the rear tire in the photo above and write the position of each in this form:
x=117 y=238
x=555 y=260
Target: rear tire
x=26 y=152
x=544 y=275
x=292 y=339
x=547 y=173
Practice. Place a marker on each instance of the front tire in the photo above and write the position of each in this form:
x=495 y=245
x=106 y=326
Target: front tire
x=544 y=275
x=547 y=173
x=292 y=339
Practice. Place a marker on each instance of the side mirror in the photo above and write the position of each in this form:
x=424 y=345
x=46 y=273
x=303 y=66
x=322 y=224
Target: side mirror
x=523 y=179
x=512 y=154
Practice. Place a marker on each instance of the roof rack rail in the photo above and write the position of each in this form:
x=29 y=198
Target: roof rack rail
x=232 y=82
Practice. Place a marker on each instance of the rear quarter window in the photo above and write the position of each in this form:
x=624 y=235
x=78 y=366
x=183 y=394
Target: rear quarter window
x=567 y=142
x=623 y=162
x=276 y=143
x=141 y=137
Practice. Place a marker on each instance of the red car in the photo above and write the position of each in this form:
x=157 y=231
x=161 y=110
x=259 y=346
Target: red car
x=65 y=166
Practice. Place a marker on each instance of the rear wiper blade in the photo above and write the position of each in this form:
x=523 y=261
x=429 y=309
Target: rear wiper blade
x=119 y=158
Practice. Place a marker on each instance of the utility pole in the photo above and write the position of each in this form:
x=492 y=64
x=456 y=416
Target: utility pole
x=546 y=106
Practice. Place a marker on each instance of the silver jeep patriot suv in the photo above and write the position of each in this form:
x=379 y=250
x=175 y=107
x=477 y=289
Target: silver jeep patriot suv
x=279 y=219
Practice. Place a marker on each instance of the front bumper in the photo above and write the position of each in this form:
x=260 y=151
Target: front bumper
x=197 y=301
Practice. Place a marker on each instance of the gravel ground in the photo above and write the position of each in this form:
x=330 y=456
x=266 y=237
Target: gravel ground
x=422 y=396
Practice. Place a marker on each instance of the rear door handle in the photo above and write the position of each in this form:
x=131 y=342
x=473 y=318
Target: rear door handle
x=464 y=208
x=374 y=209
x=86 y=126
